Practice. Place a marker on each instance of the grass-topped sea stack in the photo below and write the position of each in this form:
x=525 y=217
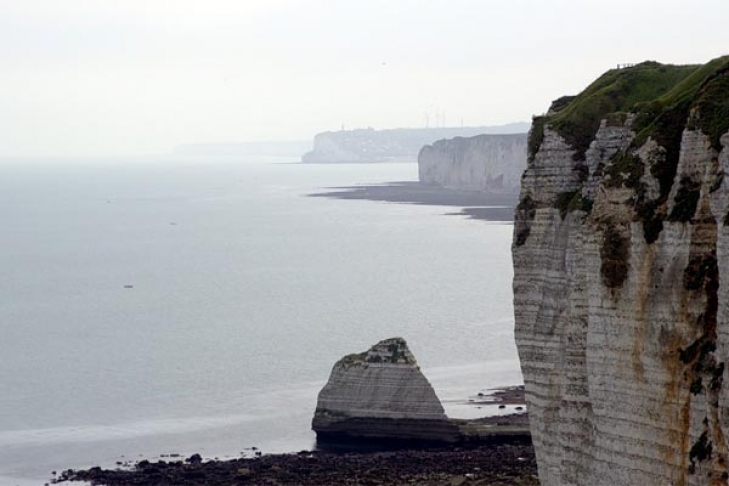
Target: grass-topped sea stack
x=381 y=394
x=621 y=243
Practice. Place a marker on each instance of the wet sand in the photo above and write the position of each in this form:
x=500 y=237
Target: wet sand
x=476 y=205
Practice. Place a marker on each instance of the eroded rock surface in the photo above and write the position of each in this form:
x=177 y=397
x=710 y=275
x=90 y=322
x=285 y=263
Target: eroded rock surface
x=381 y=394
x=620 y=254
x=489 y=163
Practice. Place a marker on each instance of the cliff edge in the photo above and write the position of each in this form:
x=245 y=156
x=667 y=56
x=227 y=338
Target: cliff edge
x=489 y=163
x=621 y=241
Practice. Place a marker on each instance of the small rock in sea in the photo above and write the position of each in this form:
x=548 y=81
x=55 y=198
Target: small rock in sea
x=259 y=453
x=502 y=406
x=194 y=459
x=174 y=455
x=480 y=394
x=128 y=286
x=254 y=448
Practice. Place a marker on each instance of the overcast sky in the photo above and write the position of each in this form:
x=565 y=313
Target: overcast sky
x=108 y=77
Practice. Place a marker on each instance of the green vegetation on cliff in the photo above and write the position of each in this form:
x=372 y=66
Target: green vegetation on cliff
x=662 y=100
x=616 y=91
x=659 y=95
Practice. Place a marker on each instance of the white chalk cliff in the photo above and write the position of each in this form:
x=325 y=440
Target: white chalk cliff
x=381 y=394
x=398 y=144
x=621 y=262
x=490 y=163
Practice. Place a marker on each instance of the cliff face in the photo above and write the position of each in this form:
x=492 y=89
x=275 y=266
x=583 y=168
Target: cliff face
x=621 y=246
x=491 y=163
x=381 y=394
x=400 y=144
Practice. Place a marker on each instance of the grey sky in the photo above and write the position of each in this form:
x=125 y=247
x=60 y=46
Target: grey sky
x=92 y=77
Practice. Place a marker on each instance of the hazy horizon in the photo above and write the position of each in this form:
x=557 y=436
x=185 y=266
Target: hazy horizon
x=117 y=78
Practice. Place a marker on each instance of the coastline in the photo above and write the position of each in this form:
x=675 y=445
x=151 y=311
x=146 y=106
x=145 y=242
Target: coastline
x=184 y=426
x=505 y=463
x=495 y=450
x=495 y=207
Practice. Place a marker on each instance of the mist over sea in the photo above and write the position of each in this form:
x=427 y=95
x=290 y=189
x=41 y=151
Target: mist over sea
x=199 y=305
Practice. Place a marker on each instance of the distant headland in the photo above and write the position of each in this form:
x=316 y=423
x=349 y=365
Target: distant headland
x=395 y=145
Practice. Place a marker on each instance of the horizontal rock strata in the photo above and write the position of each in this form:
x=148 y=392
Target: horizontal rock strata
x=490 y=163
x=621 y=243
x=381 y=394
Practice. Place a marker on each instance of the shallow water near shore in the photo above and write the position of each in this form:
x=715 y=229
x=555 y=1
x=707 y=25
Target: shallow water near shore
x=173 y=307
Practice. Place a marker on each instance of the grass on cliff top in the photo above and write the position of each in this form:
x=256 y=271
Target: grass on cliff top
x=652 y=91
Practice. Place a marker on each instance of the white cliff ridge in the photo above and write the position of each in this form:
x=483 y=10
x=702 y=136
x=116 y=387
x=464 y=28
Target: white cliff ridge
x=381 y=394
x=490 y=163
x=621 y=252
x=399 y=144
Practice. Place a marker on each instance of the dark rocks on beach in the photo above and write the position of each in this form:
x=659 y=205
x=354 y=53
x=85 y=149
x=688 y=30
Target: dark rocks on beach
x=513 y=395
x=506 y=464
x=498 y=452
x=194 y=459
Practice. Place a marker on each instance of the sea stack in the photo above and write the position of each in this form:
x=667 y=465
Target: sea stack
x=381 y=394
x=621 y=262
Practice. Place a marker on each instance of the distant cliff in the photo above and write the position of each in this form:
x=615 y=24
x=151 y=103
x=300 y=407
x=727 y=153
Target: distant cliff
x=492 y=163
x=621 y=256
x=400 y=144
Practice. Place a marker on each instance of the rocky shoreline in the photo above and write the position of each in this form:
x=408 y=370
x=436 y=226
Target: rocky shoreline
x=498 y=453
x=508 y=463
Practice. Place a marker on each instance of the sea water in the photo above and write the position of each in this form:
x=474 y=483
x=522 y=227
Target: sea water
x=179 y=306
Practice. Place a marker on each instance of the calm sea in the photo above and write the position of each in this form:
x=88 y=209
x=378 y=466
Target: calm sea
x=198 y=306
